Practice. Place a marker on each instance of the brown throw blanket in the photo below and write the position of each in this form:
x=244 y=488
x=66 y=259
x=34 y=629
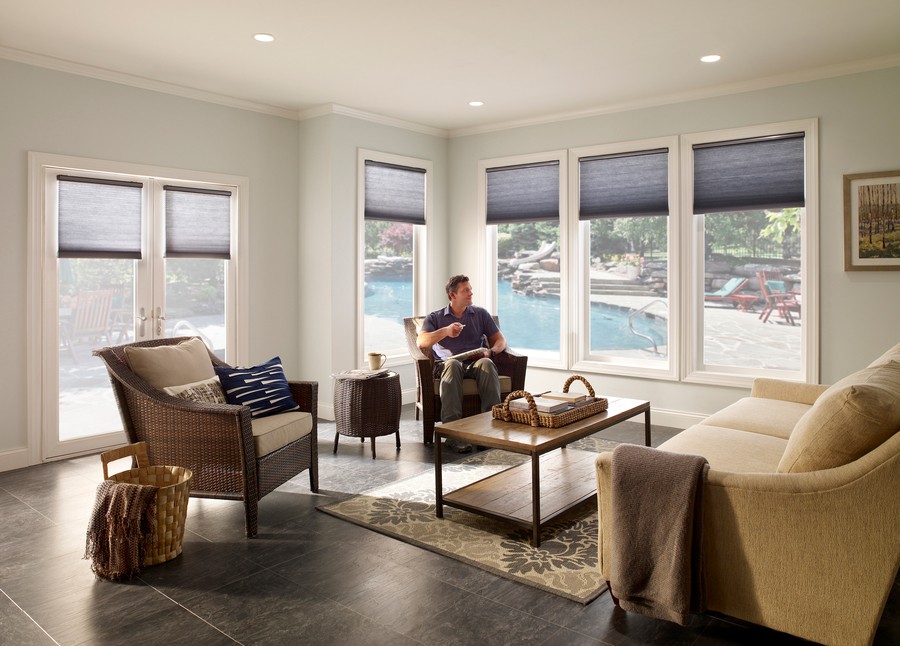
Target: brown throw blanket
x=655 y=564
x=121 y=529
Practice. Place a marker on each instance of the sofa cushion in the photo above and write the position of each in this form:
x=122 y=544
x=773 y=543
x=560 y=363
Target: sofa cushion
x=208 y=391
x=273 y=432
x=171 y=365
x=891 y=355
x=470 y=387
x=852 y=417
x=773 y=417
x=263 y=388
x=727 y=449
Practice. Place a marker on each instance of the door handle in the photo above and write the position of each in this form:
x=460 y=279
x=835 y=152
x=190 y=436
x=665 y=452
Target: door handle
x=159 y=322
x=141 y=318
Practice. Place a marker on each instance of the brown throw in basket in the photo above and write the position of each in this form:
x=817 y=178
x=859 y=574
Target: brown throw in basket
x=532 y=416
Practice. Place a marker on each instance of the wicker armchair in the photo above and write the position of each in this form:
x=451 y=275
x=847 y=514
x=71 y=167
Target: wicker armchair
x=510 y=365
x=215 y=441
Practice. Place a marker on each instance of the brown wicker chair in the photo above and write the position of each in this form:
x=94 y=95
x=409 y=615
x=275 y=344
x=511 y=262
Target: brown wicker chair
x=428 y=397
x=214 y=441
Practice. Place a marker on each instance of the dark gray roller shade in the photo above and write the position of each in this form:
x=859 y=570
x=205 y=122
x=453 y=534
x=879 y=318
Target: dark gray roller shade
x=198 y=223
x=624 y=184
x=98 y=218
x=394 y=193
x=525 y=193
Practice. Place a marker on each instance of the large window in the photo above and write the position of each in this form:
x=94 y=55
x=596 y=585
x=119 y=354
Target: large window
x=394 y=205
x=523 y=202
x=623 y=206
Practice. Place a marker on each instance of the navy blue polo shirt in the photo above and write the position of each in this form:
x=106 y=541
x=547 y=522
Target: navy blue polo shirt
x=478 y=321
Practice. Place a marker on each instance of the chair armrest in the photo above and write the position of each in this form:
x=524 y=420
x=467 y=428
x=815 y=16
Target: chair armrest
x=513 y=365
x=306 y=394
x=790 y=391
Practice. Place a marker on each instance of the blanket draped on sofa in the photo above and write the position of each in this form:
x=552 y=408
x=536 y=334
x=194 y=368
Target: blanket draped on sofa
x=122 y=527
x=654 y=567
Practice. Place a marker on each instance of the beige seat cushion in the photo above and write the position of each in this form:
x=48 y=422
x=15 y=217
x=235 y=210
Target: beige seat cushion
x=852 y=417
x=171 y=365
x=276 y=431
x=470 y=387
x=727 y=449
x=773 y=417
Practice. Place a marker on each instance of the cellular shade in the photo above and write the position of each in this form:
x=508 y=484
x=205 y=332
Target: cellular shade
x=749 y=174
x=525 y=193
x=198 y=223
x=394 y=193
x=624 y=184
x=98 y=218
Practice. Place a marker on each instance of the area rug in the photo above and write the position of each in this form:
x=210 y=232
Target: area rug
x=565 y=564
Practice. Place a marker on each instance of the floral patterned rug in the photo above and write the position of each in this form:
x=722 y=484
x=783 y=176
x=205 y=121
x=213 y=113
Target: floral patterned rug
x=565 y=563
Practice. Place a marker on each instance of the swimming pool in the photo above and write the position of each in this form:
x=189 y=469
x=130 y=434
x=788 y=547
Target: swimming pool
x=529 y=321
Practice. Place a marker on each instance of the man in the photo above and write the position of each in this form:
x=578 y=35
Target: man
x=457 y=328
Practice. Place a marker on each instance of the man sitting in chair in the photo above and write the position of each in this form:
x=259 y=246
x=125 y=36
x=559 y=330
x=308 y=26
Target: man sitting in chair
x=459 y=328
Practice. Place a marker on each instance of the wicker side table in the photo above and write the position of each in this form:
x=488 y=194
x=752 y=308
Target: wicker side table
x=367 y=408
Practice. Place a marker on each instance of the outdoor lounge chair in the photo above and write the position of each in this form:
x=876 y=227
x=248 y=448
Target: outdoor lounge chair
x=727 y=292
x=777 y=299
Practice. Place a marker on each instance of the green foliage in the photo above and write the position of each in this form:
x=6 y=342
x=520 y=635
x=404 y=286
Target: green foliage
x=528 y=236
x=780 y=224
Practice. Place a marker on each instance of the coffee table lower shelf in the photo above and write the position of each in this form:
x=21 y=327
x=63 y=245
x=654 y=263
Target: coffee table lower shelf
x=566 y=478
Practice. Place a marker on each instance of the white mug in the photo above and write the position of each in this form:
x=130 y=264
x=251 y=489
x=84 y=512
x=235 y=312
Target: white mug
x=376 y=360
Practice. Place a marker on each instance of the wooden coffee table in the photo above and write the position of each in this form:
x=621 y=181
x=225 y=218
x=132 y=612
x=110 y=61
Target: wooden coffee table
x=519 y=494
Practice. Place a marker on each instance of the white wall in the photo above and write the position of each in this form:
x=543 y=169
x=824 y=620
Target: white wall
x=53 y=112
x=859 y=132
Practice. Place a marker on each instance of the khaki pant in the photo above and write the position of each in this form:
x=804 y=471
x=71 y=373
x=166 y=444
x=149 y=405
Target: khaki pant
x=483 y=371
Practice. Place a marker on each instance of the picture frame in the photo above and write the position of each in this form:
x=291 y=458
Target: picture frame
x=872 y=221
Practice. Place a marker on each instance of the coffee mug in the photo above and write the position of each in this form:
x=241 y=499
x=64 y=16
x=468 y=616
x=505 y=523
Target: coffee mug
x=376 y=360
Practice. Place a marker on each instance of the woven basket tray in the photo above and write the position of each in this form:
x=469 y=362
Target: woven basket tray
x=549 y=420
x=171 y=499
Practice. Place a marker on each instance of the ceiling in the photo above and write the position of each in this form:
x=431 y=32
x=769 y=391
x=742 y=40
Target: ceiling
x=422 y=61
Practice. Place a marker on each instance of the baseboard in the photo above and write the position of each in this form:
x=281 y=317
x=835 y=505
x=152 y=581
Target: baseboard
x=674 y=418
x=13 y=459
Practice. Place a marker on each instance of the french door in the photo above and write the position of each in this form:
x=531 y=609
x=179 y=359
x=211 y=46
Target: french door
x=126 y=257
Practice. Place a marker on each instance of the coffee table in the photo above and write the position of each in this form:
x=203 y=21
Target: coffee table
x=520 y=495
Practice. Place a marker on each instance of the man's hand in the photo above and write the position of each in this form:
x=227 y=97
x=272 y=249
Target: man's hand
x=454 y=329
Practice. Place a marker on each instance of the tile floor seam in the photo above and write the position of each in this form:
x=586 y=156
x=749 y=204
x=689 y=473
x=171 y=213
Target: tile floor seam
x=30 y=618
x=188 y=610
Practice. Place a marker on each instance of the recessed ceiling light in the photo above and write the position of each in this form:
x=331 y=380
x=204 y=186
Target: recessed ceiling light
x=476 y=104
x=711 y=58
x=263 y=38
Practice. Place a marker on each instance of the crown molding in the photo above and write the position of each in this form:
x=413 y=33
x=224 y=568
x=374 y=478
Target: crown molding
x=99 y=73
x=334 y=108
x=842 y=69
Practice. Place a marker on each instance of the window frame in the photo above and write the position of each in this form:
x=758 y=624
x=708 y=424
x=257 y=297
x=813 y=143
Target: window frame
x=693 y=368
x=583 y=358
x=398 y=355
x=489 y=269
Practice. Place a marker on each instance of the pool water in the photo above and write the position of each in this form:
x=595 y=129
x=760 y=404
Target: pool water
x=529 y=321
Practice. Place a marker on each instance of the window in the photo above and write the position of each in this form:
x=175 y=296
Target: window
x=524 y=197
x=623 y=207
x=752 y=197
x=394 y=205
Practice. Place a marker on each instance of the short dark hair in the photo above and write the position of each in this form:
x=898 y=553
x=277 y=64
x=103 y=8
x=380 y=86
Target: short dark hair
x=454 y=282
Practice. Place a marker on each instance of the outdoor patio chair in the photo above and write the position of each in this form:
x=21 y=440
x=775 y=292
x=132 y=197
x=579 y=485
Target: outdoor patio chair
x=88 y=320
x=510 y=365
x=777 y=299
x=232 y=456
x=728 y=292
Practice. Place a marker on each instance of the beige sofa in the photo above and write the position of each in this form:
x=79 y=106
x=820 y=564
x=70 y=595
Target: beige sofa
x=801 y=506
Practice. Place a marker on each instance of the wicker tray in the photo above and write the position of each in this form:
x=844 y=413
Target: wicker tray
x=171 y=499
x=549 y=420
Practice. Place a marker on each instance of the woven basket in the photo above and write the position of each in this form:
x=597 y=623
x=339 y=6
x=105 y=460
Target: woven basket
x=550 y=420
x=171 y=499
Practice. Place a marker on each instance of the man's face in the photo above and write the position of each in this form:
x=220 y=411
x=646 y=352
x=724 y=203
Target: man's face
x=463 y=295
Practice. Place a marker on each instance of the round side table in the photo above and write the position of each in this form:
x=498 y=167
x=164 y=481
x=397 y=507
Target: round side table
x=367 y=407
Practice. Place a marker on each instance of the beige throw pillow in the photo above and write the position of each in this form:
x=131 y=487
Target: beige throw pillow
x=891 y=355
x=171 y=365
x=851 y=418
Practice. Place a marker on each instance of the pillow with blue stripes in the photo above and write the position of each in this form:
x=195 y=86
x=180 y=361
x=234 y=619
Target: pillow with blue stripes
x=263 y=388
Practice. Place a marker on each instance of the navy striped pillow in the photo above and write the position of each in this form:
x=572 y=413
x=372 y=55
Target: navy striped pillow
x=263 y=388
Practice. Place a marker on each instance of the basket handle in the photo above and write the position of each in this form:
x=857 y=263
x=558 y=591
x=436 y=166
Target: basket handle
x=535 y=420
x=137 y=450
x=578 y=378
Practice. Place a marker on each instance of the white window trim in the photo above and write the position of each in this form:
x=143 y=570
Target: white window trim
x=399 y=355
x=581 y=351
x=694 y=371
x=489 y=270
x=37 y=280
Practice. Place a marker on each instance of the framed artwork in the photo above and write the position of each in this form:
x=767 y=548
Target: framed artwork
x=872 y=221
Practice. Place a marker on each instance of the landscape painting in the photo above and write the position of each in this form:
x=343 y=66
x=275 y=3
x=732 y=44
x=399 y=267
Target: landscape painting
x=872 y=221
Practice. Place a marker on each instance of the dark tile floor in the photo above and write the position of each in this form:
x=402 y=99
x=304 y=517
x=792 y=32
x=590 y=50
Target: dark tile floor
x=309 y=578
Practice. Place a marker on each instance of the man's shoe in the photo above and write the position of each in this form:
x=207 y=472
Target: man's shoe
x=457 y=446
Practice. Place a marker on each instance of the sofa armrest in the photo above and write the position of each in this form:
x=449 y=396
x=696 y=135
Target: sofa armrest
x=790 y=391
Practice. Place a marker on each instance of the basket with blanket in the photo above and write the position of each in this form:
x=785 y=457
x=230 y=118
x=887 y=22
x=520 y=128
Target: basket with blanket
x=138 y=517
x=561 y=409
